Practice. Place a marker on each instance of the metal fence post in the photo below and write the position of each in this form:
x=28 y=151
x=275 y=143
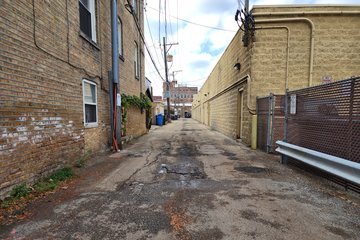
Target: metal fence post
x=284 y=158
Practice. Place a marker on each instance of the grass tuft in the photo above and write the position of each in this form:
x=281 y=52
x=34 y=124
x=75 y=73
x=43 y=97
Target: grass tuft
x=21 y=190
x=51 y=182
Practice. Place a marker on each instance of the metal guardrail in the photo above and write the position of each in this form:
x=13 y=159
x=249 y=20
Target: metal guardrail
x=340 y=167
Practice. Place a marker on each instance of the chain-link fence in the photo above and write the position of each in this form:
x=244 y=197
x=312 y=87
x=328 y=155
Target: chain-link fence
x=270 y=128
x=326 y=118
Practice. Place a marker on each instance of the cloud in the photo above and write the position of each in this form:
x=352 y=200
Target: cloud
x=199 y=48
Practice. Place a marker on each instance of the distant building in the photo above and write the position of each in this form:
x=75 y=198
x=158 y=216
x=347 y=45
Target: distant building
x=293 y=46
x=181 y=98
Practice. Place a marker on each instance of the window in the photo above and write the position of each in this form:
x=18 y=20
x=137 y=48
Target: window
x=136 y=64
x=140 y=62
x=90 y=104
x=120 y=37
x=134 y=5
x=87 y=18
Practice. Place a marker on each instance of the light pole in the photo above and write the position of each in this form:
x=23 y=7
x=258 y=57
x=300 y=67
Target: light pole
x=167 y=94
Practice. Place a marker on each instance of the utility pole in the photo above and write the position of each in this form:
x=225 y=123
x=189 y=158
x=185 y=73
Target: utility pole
x=247 y=6
x=167 y=94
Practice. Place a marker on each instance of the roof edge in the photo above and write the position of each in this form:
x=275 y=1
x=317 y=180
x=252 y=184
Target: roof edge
x=305 y=5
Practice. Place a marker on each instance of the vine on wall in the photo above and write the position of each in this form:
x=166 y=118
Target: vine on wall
x=143 y=103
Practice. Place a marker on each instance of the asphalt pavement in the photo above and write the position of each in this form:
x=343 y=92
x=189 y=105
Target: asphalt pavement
x=185 y=181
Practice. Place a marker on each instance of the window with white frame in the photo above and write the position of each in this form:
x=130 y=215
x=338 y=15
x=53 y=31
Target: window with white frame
x=88 y=18
x=136 y=63
x=120 y=37
x=90 y=104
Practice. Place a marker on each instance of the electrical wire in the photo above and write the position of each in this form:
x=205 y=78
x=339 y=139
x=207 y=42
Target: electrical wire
x=170 y=24
x=68 y=48
x=159 y=22
x=152 y=40
x=143 y=39
x=165 y=21
x=197 y=24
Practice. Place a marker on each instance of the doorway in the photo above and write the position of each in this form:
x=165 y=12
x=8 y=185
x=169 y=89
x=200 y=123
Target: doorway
x=239 y=118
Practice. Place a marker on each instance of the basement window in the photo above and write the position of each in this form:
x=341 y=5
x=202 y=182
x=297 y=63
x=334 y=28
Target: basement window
x=87 y=18
x=90 y=104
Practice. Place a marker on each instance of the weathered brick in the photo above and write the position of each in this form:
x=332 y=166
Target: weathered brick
x=41 y=101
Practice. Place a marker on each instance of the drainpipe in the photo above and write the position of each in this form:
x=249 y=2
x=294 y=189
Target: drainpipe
x=260 y=14
x=312 y=29
x=116 y=134
x=287 y=49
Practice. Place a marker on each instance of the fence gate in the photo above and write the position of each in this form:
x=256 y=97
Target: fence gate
x=270 y=127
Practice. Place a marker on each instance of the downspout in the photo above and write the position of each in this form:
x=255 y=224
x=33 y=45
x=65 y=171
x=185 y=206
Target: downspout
x=302 y=19
x=116 y=134
x=312 y=29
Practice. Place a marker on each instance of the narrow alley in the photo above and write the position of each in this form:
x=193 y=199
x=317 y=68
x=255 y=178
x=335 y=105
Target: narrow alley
x=185 y=181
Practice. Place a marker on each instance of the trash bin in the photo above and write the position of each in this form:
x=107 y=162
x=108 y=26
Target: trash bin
x=159 y=120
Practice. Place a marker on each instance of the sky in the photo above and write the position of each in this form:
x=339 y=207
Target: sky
x=196 y=49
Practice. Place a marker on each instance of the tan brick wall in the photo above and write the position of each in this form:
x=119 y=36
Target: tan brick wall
x=220 y=111
x=41 y=100
x=336 y=54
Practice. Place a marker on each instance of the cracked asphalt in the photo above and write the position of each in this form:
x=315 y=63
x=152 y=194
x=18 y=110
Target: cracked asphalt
x=184 y=181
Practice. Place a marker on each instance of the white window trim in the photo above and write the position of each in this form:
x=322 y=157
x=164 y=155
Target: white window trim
x=93 y=19
x=120 y=36
x=136 y=63
x=93 y=124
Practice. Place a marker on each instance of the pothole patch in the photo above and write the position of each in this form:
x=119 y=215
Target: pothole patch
x=210 y=150
x=251 y=169
x=186 y=170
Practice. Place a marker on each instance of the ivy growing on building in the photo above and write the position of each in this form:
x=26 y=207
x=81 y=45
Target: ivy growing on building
x=143 y=103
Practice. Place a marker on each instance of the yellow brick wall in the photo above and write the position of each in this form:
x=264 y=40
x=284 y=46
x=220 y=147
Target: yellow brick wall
x=336 y=53
x=43 y=62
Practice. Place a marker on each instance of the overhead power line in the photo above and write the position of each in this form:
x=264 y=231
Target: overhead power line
x=143 y=39
x=152 y=40
x=194 y=23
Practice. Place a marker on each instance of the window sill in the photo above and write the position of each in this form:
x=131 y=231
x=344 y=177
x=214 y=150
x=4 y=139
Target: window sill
x=122 y=58
x=91 y=125
x=85 y=37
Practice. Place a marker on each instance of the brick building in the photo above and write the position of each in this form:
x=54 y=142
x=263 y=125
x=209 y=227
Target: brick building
x=54 y=82
x=293 y=47
x=181 y=97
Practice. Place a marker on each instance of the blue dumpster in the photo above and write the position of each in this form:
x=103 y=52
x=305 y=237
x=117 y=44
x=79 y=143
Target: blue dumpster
x=159 y=120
